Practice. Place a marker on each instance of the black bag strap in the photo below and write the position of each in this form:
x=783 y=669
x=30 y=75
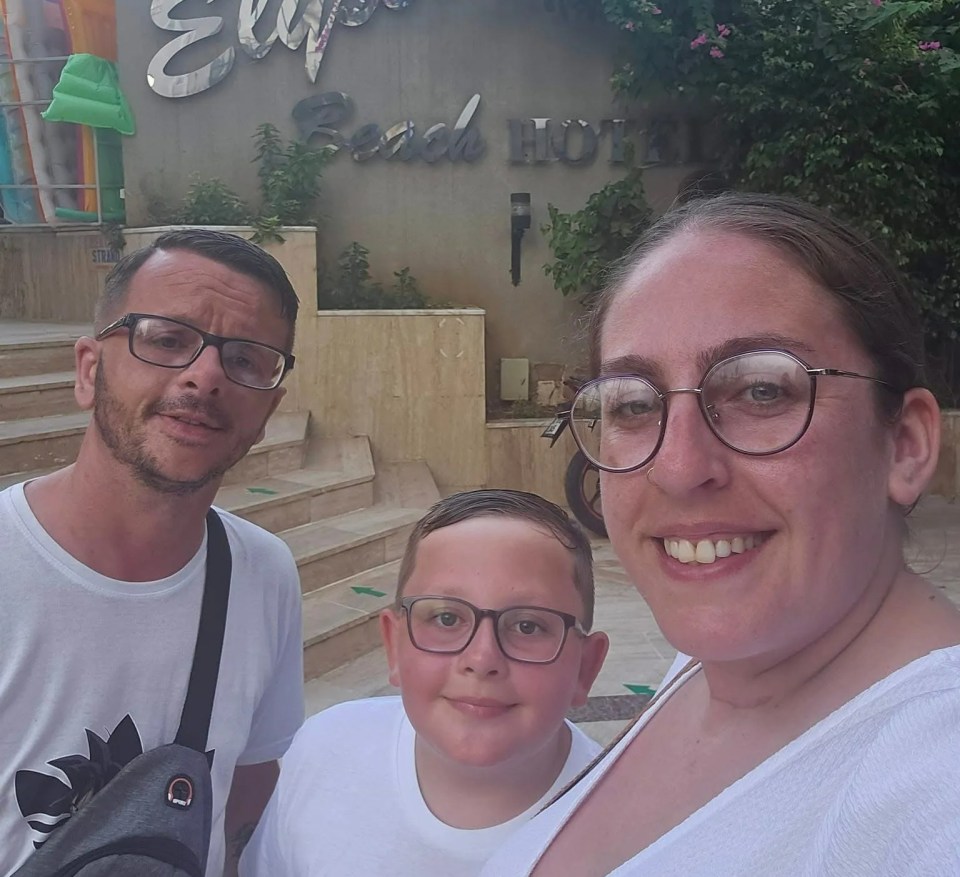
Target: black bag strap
x=198 y=705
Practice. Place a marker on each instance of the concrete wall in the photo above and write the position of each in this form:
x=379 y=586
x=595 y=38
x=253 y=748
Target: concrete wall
x=46 y=274
x=518 y=458
x=449 y=222
x=410 y=380
x=49 y=274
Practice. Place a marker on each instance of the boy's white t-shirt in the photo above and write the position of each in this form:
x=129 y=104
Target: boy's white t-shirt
x=872 y=790
x=348 y=803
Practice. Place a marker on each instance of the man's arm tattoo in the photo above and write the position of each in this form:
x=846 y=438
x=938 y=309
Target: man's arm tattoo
x=236 y=845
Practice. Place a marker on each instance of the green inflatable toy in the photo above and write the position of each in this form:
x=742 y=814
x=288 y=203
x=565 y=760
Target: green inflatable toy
x=88 y=93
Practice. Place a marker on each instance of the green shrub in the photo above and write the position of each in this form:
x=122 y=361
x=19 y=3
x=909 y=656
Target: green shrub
x=849 y=104
x=350 y=286
x=212 y=202
x=586 y=242
x=289 y=175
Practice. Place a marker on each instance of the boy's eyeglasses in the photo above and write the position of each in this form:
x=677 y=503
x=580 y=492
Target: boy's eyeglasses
x=447 y=625
x=756 y=403
x=171 y=343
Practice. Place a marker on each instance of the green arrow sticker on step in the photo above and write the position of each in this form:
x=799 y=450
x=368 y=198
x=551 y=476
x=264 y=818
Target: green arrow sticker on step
x=640 y=689
x=369 y=592
x=266 y=491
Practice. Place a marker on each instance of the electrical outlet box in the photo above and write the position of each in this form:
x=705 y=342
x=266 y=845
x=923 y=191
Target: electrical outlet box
x=514 y=380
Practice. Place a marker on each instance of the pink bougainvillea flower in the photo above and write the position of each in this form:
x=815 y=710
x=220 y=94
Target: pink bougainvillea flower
x=932 y=46
x=716 y=53
x=656 y=10
x=629 y=26
x=723 y=30
x=698 y=41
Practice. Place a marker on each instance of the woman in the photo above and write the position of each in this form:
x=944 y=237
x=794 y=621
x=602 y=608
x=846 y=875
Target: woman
x=762 y=423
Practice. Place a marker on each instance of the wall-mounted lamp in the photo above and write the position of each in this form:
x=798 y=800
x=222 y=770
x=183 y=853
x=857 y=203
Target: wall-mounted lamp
x=520 y=218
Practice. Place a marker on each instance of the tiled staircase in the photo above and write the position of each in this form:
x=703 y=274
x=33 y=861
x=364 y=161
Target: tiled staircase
x=345 y=523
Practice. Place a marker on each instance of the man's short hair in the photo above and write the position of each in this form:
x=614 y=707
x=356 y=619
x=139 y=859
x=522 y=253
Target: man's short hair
x=508 y=504
x=229 y=250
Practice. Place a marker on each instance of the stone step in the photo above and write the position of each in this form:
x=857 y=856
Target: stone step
x=41 y=442
x=340 y=620
x=37 y=348
x=339 y=547
x=27 y=396
x=336 y=480
x=50 y=442
x=282 y=450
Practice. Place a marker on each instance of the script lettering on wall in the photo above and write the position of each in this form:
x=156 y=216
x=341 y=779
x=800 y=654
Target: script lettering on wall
x=308 y=23
x=319 y=119
x=194 y=30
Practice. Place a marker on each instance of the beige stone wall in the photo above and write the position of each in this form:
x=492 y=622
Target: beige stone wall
x=47 y=274
x=410 y=380
x=519 y=459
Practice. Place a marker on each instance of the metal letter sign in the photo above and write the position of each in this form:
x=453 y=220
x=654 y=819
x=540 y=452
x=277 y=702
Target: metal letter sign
x=194 y=31
x=319 y=118
x=299 y=22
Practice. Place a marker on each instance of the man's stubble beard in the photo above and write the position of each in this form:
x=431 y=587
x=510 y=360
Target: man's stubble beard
x=127 y=444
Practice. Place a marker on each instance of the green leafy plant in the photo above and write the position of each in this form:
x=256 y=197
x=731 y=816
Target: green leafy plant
x=849 y=104
x=289 y=176
x=350 y=286
x=211 y=202
x=586 y=242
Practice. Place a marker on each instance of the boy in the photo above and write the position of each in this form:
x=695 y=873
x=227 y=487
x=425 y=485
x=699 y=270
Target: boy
x=488 y=642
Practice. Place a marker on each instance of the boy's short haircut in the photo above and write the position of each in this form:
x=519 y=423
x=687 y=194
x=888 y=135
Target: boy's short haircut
x=509 y=504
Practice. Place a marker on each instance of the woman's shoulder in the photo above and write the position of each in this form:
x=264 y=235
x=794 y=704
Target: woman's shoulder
x=937 y=672
x=915 y=709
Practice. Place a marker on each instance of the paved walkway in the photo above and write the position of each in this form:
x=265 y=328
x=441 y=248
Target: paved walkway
x=639 y=655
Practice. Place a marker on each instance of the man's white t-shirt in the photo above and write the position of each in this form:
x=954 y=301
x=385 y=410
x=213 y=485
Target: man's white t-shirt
x=348 y=803
x=872 y=790
x=95 y=670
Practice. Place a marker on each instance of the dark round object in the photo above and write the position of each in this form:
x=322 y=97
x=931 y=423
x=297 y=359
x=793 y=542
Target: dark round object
x=582 y=487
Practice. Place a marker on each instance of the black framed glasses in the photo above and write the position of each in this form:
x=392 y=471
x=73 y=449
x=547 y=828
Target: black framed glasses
x=171 y=343
x=447 y=625
x=757 y=403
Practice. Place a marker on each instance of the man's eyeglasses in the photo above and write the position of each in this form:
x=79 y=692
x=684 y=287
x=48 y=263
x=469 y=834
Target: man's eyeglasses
x=756 y=403
x=447 y=625
x=171 y=343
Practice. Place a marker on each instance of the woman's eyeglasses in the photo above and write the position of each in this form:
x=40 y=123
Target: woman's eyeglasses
x=756 y=403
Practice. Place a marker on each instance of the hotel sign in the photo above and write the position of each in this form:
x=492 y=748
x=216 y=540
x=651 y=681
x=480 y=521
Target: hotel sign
x=321 y=121
x=320 y=118
x=299 y=23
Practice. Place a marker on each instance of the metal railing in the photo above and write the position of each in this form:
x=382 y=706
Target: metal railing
x=14 y=106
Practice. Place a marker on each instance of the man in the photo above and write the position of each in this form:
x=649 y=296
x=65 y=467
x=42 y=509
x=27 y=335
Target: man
x=103 y=562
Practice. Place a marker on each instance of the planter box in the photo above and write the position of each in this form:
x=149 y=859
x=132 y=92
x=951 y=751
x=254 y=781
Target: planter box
x=411 y=380
x=51 y=274
x=518 y=458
